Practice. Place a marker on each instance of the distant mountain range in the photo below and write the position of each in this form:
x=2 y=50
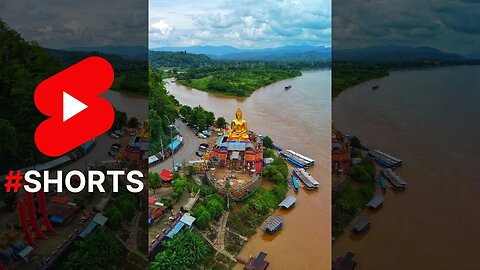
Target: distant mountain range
x=294 y=53
x=297 y=53
x=132 y=52
x=394 y=53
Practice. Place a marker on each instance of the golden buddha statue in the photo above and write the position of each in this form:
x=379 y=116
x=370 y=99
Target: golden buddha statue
x=238 y=127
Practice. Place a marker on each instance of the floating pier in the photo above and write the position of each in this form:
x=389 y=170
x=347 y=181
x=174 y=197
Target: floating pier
x=298 y=160
x=345 y=263
x=385 y=159
x=361 y=224
x=288 y=202
x=308 y=181
x=273 y=224
x=396 y=181
x=376 y=202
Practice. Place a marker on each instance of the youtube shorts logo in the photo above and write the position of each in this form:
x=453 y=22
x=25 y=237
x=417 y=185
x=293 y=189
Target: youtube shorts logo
x=77 y=112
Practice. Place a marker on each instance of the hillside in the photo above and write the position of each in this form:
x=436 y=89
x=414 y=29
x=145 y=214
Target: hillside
x=22 y=66
x=286 y=53
x=394 y=54
x=176 y=59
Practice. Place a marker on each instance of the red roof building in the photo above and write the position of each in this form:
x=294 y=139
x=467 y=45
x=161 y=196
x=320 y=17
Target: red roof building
x=166 y=175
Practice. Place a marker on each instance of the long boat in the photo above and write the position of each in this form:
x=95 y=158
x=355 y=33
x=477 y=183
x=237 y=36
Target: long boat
x=298 y=160
x=295 y=184
x=308 y=181
x=396 y=181
x=382 y=183
x=385 y=159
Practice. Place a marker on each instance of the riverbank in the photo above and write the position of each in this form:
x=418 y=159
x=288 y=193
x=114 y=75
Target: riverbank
x=422 y=111
x=305 y=107
x=238 y=82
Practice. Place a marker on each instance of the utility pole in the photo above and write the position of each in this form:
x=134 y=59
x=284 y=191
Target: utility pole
x=171 y=140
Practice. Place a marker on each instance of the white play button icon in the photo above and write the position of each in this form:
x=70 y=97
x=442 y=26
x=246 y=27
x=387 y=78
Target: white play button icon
x=71 y=106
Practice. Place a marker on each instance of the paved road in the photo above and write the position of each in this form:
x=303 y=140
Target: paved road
x=186 y=152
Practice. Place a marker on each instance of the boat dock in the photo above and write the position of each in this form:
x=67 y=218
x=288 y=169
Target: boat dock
x=385 y=159
x=308 y=181
x=272 y=224
x=376 y=202
x=360 y=224
x=288 y=202
x=396 y=181
x=298 y=160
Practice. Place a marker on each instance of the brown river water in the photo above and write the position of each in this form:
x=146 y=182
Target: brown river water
x=299 y=119
x=428 y=118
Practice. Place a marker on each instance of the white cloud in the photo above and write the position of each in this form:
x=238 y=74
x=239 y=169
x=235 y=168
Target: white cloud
x=242 y=23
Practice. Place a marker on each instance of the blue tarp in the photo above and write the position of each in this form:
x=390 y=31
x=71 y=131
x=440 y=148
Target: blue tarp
x=220 y=140
x=174 y=145
x=175 y=229
x=88 y=229
x=56 y=219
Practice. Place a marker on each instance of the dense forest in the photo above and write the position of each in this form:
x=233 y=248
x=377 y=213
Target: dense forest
x=176 y=59
x=130 y=74
x=22 y=66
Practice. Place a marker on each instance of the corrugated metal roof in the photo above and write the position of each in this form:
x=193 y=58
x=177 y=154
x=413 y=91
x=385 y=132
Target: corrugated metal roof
x=289 y=201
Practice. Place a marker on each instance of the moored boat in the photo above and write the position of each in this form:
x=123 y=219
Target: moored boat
x=308 y=181
x=295 y=183
x=382 y=183
x=396 y=181
x=385 y=159
x=298 y=160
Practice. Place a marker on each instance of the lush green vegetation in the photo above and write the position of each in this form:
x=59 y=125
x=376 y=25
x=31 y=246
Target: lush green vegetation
x=210 y=208
x=174 y=60
x=98 y=250
x=258 y=206
x=348 y=202
x=130 y=74
x=162 y=108
x=345 y=75
x=236 y=79
x=198 y=117
x=119 y=209
x=185 y=251
x=267 y=142
x=22 y=66
x=178 y=184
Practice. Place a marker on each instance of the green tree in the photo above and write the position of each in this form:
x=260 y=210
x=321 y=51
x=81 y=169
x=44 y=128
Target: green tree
x=184 y=251
x=355 y=142
x=133 y=123
x=154 y=180
x=220 y=122
x=267 y=142
x=98 y=250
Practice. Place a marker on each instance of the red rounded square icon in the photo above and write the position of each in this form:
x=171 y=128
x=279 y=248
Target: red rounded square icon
x=71 y=99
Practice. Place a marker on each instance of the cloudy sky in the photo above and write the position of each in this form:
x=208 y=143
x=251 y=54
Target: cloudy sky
x=240 y=23
x=71 y=23
x=449 y=25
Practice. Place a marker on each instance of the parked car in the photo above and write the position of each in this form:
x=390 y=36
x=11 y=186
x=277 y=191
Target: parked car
x=204 y=144
x=202 y=148
x=199 y=153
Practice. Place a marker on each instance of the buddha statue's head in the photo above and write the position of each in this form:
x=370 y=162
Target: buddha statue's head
x=238 y=114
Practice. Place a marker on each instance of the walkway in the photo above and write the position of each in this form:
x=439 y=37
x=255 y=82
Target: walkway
x=218 y=249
